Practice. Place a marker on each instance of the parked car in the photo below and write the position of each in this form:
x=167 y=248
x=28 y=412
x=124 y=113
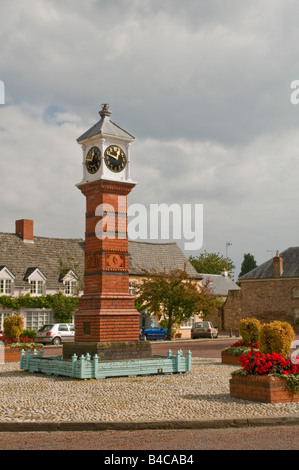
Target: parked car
x=155 y=331
x=56 y=333
x=204 y=329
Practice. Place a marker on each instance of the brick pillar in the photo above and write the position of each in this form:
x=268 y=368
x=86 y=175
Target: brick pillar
x=106 y=309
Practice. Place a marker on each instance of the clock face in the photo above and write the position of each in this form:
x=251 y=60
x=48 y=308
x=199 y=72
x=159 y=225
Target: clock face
x=115 y=158
x=93 y=160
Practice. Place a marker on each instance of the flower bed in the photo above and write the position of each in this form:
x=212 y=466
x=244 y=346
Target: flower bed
x=232 y=354
x=14 y=346
x=265 y=389
x=270 y=378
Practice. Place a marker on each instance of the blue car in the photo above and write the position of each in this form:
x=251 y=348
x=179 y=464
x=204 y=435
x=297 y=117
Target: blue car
x=155 y=332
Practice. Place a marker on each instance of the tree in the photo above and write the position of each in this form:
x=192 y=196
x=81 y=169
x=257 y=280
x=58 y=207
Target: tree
x=212 y=263
x=175 y=296
x=248 y=264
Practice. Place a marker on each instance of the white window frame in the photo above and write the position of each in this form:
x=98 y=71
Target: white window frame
x=70 y=282
x=70 y=287
x=132 y=288
x=37 y=317
x=3 y=315
x=6 y=286
x=37 y=283
x=6 y=281
x=37 y=287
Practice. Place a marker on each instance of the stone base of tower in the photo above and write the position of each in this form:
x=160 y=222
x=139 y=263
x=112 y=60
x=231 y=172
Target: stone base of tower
x=112 y=334
x=109 y=350
x=107 y=325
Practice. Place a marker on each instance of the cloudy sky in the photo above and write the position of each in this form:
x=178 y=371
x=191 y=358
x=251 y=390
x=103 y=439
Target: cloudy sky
x=205 y=88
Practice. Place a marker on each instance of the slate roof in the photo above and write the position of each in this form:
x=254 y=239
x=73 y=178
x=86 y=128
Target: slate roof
x=51 y=255
x=219 y=285
x=290 y=258
x=157 y=257
x=106 y=127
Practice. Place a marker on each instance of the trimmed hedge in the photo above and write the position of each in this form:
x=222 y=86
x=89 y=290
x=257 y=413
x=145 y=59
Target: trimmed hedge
x=249 y=329
x=276 y=337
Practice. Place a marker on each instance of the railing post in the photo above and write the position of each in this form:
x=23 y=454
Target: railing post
x=28 y=356
x=95 y=366
x=178 y=360
x=82 y=365
x=74 y=360
x=189 y=357
x=22 y=359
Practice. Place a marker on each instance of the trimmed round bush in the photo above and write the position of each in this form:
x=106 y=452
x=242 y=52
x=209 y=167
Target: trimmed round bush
x=249 y=329
x=276 y=337
x=13 y=326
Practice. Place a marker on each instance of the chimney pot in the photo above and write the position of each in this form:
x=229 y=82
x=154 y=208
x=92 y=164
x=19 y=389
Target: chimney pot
x=277 y=265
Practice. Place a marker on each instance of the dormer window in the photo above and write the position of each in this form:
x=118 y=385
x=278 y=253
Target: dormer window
x=36 y=280
x=70 y=282
x=37 y=287
x=70 y=287
x=6 y=281
x=5 y=286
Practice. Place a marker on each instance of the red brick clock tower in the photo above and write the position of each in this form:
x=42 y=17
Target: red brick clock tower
x=106 y=318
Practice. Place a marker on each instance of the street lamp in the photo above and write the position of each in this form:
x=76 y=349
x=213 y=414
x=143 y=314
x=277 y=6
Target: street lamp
x=227 y=245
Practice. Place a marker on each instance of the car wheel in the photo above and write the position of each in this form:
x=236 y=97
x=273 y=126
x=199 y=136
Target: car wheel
x=56 y=340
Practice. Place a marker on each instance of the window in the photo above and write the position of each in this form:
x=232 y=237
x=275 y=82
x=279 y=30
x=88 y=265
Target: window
x=5 y=286
x=295 y=293
x=37 y=287
x=37 y=318
x=63 y=328
x=132 y=287
x=296 y=314
x=3 y=315
x=6 y=281
x=70 y=287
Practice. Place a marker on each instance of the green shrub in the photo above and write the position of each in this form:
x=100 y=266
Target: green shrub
x=29 y=333
x=276 y=337
x=13 y=326
x=249 y=329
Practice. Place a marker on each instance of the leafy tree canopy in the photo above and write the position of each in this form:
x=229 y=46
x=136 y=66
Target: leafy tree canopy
x=212 y=263
x=174 y=296
x=248 y=264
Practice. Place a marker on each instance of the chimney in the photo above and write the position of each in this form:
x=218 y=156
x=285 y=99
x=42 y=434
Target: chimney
x=24 y=229
x=224 y=273
x=277 y=265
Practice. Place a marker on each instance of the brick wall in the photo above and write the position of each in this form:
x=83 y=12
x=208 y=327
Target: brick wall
x=264 y=299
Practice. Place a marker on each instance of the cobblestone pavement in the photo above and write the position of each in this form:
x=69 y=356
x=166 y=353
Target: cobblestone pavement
x=198 y=397
x=201 y=394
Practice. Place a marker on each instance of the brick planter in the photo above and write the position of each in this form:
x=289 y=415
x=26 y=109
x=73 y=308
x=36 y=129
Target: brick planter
x=263 y=389
x=14 y=354
x=228 y=358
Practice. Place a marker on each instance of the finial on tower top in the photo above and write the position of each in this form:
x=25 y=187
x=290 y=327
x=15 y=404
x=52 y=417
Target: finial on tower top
x=105 y=110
